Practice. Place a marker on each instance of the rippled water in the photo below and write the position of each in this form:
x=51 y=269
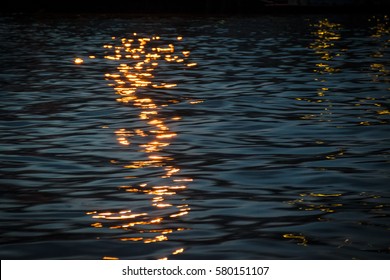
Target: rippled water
x=195 y=138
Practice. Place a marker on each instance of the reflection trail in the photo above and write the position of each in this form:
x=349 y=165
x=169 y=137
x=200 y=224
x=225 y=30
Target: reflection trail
x=326 y=34
x=380 y=33
x=326 y=206
x=380 y=73
x=157 y=176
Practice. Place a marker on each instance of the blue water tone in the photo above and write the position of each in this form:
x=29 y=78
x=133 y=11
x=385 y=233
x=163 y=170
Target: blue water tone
x=168 y=137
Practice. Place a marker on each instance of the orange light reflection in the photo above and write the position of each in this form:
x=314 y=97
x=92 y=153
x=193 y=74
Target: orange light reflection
x=138 y=60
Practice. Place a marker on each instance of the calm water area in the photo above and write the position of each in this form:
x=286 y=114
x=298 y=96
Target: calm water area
x=194 y=137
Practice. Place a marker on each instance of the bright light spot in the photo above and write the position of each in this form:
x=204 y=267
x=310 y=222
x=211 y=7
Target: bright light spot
x=78 y=60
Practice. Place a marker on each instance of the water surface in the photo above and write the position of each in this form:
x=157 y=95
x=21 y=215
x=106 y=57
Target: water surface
x=194 y=138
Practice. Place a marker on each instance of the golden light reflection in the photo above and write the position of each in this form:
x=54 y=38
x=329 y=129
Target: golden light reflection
x=379 y=69
x=380 y=32
x=178 y=251
x=302 y=240
x=135 y=81
x=110 y=258
x=321 y=202
x=78 y=60
x=326 y=34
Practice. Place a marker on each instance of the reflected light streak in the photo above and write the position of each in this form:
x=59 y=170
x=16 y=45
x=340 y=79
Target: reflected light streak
x=380 y=32
x=321 y=202
x=139 y=59
x=326 y=34
x=379 y=68
x=178 y=251
x=299 y=237
x=110 y=258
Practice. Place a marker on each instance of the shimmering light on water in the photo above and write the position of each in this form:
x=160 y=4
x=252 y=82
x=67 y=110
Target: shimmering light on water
x=195 y=138
x=133 y=74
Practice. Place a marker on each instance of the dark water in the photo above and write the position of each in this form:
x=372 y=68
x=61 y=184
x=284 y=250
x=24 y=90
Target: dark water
x=195 y=138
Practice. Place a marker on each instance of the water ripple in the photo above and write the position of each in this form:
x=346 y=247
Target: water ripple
x=195 y=138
